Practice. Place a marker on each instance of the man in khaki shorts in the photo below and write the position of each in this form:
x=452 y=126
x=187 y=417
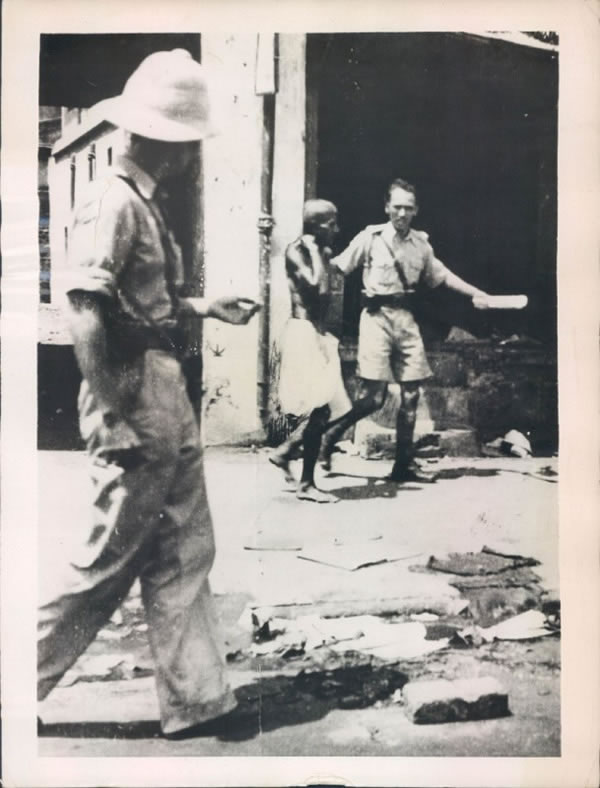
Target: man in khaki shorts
x=398 y=262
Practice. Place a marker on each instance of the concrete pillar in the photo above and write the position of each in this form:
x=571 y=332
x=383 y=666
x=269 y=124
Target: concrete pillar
x=231 y=168
x=289 y=168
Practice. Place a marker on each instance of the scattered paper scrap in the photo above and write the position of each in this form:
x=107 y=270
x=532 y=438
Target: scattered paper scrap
x=274 y=543
x=525 y=626
x=409 y=649
x=424 y=617
x=486 y=562
x=355 y=556
x=405 y=640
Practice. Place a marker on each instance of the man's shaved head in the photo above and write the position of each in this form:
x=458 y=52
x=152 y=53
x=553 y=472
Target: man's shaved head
x=316 y=212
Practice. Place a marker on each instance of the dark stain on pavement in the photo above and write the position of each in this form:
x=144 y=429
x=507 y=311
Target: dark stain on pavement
x=265 y=705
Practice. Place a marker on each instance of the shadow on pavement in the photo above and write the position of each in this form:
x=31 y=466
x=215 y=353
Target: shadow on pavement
x=456 y=473
x=142 y=729
x=375 y=487
x=265 y=705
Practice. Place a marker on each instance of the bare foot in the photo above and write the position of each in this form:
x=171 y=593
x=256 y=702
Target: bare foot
x=308 y=492
x=283 y=464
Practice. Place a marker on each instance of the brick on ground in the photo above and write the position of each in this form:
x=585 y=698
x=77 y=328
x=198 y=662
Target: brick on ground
x=442 y=700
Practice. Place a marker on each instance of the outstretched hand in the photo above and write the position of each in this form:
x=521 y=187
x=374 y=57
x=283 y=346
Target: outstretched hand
x=232 y=309
x=481 y=300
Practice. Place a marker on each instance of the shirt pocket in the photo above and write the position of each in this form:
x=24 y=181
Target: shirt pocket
x=381 y=266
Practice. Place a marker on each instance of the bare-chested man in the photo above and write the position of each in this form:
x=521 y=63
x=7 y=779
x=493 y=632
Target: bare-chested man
x=311 y=387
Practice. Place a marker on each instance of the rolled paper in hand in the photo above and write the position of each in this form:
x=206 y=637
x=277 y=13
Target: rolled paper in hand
x=500 y=301
x=249 y=303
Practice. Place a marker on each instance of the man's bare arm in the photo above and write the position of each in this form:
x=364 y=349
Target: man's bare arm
x=296 y=263
x=458 y=285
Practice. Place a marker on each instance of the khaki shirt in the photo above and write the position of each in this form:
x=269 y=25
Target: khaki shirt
x=382 y=251
x=117 y=243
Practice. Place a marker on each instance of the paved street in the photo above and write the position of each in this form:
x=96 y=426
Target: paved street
x=281 y=560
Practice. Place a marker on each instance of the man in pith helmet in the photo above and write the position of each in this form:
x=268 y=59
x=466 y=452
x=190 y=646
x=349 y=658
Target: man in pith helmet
x=150 y=518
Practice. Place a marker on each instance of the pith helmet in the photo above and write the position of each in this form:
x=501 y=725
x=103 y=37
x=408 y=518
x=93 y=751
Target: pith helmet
x=166 y=98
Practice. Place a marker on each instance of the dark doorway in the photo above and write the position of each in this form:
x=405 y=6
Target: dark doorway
x=472 y=122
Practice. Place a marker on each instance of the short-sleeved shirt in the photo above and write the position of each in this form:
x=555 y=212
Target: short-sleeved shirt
x=118 y=242
x=392 y=265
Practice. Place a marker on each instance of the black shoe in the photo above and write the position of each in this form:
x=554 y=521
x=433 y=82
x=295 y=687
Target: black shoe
x=218 y=725
x=411 y=473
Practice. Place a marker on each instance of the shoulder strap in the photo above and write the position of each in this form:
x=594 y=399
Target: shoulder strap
x=162 y=231
x=397 y=265
x=130 y=300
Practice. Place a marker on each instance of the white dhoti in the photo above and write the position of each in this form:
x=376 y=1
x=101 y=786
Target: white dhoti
x=311 y=373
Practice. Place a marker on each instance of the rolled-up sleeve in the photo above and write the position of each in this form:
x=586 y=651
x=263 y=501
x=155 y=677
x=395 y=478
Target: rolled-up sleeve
x=101 y=241
x=353 y=255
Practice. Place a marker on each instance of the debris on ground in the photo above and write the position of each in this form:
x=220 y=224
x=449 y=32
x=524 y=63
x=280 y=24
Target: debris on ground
x=354 y=687
x=277 y=541
x=441 y=700
x=285 y=645
x=545 y=474
x=424 y=617
x=292 y=637
x=513 y=444
x=462 y=335
x=115 y=634
x=547 y=470
x=551 y=608
x=390 y=641
x=106 y=667
x=525 y=626
x=519 y=339
x=486 y=562
x=355 y=556
x=530 y=625
x=492 y=604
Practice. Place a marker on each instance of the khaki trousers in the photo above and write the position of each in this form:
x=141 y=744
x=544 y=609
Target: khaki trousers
x=149 y=521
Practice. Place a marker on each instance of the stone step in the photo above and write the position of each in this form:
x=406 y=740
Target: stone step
x=375 y=442
x=441 y=700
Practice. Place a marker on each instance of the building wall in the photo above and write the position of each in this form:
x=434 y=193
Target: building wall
x=232 y=167
x=231 y=164
x=66 y=164
x=231 y=206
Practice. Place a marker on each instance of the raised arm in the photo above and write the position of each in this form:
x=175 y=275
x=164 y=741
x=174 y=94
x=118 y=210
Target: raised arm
x=298 y=269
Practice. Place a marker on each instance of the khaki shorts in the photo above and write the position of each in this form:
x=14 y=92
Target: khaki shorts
x=390 y=347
